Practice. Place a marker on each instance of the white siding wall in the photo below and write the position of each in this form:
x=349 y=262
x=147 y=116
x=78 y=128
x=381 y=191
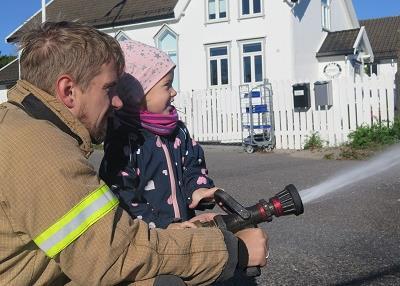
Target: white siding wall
x=3 y=93
x=387 y=67
x=275 y=28
x=308 y=35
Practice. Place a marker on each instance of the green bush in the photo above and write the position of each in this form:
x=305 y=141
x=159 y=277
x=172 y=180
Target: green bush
x=375 y=136
x=313 y=141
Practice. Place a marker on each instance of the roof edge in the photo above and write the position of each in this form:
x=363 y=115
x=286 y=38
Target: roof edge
x=8 y=39
x=352 y=13
x=335 y=53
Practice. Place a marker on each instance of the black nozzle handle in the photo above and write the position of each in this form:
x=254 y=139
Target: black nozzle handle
x=253 y=271
x=205 y=205
x=230 y=205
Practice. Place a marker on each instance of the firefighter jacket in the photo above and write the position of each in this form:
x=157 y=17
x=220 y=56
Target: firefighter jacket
x=60 y=224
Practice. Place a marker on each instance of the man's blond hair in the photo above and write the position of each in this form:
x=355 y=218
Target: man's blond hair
x=57 y=48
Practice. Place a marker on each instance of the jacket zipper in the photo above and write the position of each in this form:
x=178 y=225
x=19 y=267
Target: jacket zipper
x=171 y=180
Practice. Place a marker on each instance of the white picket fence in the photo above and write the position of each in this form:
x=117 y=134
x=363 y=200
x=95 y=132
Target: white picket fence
x=213 y=115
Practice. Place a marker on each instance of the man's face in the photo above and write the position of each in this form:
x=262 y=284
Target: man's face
x=97 y=101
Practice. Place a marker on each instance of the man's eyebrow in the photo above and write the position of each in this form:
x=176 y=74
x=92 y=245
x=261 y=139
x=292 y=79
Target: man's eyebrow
x=110 y=84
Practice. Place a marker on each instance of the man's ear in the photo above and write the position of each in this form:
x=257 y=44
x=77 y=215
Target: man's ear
x=65 y=90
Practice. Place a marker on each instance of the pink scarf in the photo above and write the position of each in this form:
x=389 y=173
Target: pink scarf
x=160 y=124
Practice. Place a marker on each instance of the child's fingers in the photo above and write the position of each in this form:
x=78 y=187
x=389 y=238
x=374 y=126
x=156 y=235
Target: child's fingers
x=200 y=194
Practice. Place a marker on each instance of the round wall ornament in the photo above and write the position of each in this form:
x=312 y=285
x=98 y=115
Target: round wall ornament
x=332 y=70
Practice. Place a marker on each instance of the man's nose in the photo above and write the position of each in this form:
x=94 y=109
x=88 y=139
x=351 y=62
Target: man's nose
x=116 y=102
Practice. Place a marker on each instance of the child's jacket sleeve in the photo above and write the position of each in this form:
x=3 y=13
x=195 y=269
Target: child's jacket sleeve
x=195 y=173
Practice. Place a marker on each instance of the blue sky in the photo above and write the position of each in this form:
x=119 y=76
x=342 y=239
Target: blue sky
x=15 y=12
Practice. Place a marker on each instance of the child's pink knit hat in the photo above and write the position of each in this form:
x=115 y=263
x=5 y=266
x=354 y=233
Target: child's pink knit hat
x=145 y=63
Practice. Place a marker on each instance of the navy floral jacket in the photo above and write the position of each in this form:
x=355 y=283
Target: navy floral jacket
x=154 y=177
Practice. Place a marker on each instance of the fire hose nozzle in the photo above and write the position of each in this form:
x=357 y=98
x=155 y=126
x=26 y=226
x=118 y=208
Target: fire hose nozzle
x=287 y=202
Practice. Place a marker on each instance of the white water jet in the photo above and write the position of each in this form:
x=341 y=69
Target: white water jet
x=374 y=166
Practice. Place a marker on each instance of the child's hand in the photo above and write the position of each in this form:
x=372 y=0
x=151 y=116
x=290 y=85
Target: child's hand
x=182 y=225
x=200 y=194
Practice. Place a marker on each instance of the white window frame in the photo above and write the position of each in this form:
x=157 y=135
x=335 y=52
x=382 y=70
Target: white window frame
x=208 y=48
x=121 y=34
x=166 y=29
x=251 y=10
x=217 y=12
x=252 y=59
x=326 y=15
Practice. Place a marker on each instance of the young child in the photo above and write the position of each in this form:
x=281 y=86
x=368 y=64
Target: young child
x=159 y=169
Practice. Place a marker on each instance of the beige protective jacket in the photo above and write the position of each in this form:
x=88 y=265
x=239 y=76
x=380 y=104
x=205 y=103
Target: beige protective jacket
x=44 y=175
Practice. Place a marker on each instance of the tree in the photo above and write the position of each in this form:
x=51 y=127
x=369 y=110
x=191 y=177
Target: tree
x=5 y=59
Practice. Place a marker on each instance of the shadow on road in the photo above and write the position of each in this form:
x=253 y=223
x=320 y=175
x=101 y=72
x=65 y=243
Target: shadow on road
x=372 y=276
x=239 y=280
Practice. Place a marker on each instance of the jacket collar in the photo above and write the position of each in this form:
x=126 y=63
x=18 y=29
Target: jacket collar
x=41 y=105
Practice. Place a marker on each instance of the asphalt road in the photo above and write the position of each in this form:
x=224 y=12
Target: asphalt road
x=351 y=237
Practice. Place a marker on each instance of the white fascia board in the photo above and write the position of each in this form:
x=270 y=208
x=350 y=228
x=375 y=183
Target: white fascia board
x=352 y=13
x=139 y=25
x=40 y=10
x=363 y=37
x=180 y=8
x=10 y=63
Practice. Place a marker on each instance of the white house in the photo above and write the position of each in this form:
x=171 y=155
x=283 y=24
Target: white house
x=219 y=42
x=219 y=45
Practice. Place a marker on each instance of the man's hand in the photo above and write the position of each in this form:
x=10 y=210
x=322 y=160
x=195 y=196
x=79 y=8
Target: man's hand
x=256 y=241
x=204 y=217
x=182 y=225
x=202 y=193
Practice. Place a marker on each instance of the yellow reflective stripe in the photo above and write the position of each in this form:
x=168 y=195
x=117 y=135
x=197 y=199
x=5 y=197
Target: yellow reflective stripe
x=65 y=219
x=76 y=221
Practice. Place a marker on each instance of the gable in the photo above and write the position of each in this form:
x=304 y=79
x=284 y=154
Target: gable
x=102 y=13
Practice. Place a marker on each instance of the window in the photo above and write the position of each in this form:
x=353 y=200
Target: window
x=252 y=62
x=326 y=14
x=250 y=8
x=217 y=10
x=218 y=65
x=166 y=40
x=121 y=36
x=371 y=68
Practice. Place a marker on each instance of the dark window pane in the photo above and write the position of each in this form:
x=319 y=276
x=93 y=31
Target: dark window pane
x=213 y=72
x=246 y=69
x=222 y=15
x=258 y=68
x=248 y=48
x=256 y=6
x=374 y=69
x=245 y=7
x=211 y=16
x=220 y=51
x=224 y=71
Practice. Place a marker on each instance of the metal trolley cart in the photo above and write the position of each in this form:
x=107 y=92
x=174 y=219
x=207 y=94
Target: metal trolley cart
x=257 y=117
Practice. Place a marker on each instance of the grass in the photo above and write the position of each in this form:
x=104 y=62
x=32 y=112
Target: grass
x=313 y=142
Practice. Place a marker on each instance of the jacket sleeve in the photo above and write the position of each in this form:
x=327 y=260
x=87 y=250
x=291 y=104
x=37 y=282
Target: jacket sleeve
x=116 y=247
x=195 y=172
